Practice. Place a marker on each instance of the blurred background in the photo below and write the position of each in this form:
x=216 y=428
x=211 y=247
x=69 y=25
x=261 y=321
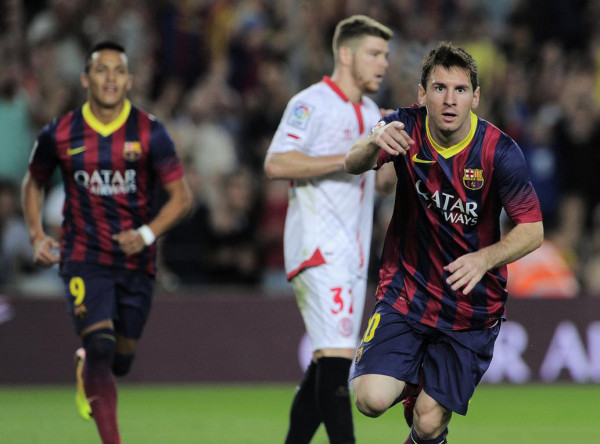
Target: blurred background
x=218 y=74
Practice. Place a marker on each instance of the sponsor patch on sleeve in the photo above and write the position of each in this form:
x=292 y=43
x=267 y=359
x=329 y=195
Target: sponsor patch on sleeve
x=300 y=115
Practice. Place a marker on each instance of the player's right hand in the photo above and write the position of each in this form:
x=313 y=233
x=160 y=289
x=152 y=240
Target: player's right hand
x=44 y=251
x=392 y=138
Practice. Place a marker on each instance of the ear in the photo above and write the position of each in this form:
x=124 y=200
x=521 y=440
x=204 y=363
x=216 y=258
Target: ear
x=85 y=81
x=345 y=55
x=476 y=98
x=422 y=95
x=129 y=81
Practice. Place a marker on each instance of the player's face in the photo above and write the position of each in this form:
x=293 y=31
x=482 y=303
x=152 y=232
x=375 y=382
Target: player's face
x=449 y=99
x=108 y=79
x=370 y=63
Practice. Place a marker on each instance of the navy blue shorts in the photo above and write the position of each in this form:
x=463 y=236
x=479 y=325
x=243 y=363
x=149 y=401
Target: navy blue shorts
x=97 y=292
x=453 y=361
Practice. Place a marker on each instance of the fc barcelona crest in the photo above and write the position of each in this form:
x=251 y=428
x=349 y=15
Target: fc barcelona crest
x=359 y=354
x=132 y=151
x=472 y=178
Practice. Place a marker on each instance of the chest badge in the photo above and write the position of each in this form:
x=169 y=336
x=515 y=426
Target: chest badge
x=473 y=178
x=132 y=151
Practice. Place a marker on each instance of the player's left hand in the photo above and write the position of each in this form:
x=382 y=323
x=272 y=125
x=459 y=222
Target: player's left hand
x=130 y=241
x=466 y=271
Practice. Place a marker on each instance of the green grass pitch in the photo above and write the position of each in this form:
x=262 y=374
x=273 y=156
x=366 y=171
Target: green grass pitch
x=257 y=414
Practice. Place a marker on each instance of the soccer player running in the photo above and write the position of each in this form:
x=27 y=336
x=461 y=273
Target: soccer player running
x=441 y=292
x=329 y=219
x=111 y=155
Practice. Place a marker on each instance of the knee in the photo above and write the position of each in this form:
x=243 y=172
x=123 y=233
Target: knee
x=371 y=405
x=430 y=420
x=122 y=364
x=99 y=347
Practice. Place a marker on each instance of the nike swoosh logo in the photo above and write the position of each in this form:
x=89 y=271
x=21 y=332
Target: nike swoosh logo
x=73 y=151
x=416 y=159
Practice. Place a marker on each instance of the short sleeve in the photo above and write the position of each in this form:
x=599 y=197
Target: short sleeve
x=163 y=156
x=514 y=185
x=297 y=128
x=44 y=158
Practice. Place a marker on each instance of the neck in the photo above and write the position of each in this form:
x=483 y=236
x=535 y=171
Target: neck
x=446 y=139
x=348 y=86
x=105 y=114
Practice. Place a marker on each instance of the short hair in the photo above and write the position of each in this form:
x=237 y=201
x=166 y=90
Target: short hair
x=449 y=56
x=358 y=26
x=107 y=44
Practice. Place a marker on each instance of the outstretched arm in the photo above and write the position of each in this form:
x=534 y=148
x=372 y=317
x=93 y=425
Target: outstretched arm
x=296 y=165
x=467 y=270
x=363 y=155
x=32 y=201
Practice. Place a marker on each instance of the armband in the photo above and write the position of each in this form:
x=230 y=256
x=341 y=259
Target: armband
x=147 y=234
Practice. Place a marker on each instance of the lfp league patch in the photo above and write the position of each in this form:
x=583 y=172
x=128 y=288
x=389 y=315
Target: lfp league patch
x=300 y=115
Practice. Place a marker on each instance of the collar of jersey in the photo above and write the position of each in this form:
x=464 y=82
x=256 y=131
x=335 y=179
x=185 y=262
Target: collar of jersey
x=107 y=129
x=327 y=80
x=454 y=149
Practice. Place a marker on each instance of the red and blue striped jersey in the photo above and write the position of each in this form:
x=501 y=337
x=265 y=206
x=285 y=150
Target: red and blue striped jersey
x=448 y=203
x=110 y=173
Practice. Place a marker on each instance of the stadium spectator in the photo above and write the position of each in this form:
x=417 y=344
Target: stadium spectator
x=60 y=25
x=183 y=50
x=216 y=244
x=329 y=220
x=111 y=155
x=16 y=121
x=270 y=236
x=441 y=285
x=15 y=251
x=269 y=48
x=542 y=274
x=545 y=273
x=204 y=131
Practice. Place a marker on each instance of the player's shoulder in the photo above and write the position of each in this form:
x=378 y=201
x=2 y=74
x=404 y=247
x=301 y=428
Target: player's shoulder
x=369 y=102
x=306 y=104
x=316 y=95
x=505 y=142
x=407 y=115
x=156 y=126
x=49 y=130
x=138 y=112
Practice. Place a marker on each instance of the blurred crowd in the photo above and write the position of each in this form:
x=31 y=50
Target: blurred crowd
x=219 y=73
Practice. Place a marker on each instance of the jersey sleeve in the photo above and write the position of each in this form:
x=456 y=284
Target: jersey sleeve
x=44 y=157
x=298 y=126
x=514 y=185
x=163 y=156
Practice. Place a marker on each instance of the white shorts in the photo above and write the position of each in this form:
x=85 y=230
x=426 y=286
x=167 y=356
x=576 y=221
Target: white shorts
x=331 y=301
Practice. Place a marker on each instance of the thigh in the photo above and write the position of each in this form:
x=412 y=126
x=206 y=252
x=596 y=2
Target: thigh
x=455 y=363
x=90 y=293
x=134 y=294
x=331 y=302
x=392 y=345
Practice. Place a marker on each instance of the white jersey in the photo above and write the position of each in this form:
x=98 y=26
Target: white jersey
x=329 y=218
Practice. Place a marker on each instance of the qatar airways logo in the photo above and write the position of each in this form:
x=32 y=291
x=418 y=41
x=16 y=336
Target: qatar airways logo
x=452 y=208
x=106 y=182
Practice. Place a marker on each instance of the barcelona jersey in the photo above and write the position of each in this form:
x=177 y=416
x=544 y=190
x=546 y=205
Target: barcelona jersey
x=448 y=203
x=109 y=174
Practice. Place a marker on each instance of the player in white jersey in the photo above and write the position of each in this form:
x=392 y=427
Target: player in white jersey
x=329 y=220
